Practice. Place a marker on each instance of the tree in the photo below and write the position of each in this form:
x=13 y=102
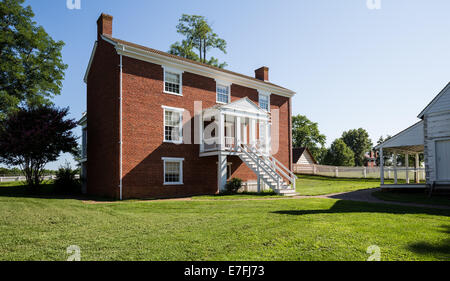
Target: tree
x=200 y=36
x=358 y=141
x=31 y=67
x=305 y=133
x=339 y=154
x=31 y=138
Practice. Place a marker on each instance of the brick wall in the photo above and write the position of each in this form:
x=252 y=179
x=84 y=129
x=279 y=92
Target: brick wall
x=103 y=125
x=143 y=124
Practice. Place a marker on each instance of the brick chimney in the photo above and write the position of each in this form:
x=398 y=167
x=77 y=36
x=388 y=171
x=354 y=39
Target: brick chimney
x=104 y=25
x=262 y=73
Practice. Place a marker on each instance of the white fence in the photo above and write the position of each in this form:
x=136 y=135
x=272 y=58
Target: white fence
x=22 y=178
x=357 y=172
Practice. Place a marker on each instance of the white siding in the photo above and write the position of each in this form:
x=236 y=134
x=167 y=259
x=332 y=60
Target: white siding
x=441 y=104
x=437 y=127
x=305 y=159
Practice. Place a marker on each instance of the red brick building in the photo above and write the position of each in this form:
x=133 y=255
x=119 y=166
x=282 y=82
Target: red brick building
x=159 y=125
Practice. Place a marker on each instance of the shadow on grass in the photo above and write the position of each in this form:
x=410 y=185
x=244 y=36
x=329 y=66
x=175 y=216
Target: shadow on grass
x=46 y=191
x=428 y=248
x=343 y=206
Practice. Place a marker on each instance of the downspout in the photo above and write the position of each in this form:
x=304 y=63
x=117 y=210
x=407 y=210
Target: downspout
x=121 y=132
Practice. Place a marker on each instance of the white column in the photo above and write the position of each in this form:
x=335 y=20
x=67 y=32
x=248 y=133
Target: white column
x=416 y=172
x=222 y=171
x=238 y=129
x=407 y=167
x=252 y=132
x=221 y=133
x=267 y=137
x=201 y=128
x=381 y=166
x=395 y=168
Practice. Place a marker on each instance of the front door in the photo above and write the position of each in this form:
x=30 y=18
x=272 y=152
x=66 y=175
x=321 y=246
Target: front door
x=443 y=160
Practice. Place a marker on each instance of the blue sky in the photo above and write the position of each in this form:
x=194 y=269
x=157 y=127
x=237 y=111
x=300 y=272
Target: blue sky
x=351 y=66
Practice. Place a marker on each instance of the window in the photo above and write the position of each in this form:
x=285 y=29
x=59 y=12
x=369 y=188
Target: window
x=84 y=143
x=173 y=125
x=173 y=81
x=264 y=101
x=173 y=171
x=223 y=94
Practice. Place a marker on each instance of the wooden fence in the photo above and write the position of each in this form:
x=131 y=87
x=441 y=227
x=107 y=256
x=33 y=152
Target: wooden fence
x=357 y=172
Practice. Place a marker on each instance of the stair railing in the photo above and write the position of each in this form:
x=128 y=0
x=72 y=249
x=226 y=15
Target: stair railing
x=278 y=167
x=245 y=149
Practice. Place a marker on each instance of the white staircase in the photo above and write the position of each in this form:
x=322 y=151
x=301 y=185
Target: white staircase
x=271 y=171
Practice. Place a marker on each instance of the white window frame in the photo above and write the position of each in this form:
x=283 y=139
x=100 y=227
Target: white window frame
x=264 y=94
x=226 y=84
x=173 y=109
x=174 y=71
x=173 y=160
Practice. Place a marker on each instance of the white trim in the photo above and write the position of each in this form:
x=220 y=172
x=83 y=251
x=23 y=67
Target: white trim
x=173 y=71
x=91 y=59
x=172 y=109
x=121 y=131
x=176 y=160
x=152 y=57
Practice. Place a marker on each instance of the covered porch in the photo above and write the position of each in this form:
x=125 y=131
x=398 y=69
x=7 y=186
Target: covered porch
x=224 y=128
x=409 y=143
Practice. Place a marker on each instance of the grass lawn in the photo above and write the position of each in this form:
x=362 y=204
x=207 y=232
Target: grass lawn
x=416 y=197
x=317 y=185
x=297 y=229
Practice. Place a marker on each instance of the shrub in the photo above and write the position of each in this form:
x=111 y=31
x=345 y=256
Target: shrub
x=66 y=181
x=233 y=185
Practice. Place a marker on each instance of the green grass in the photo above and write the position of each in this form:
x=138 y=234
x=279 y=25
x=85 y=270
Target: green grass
x=317 y=185
x=415 y=197
x=298 y=229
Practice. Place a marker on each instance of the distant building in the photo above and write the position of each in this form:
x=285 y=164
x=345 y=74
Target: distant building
x=303 y=156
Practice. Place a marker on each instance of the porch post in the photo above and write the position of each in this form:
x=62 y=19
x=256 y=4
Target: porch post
x=395 y=168
x=221 y=132
x=202 y=130
x=237 y=127
x=381 y=166
x=267 y=136
x=416 y=171
x=252 y=132
x=222 y=171
x=407 y=167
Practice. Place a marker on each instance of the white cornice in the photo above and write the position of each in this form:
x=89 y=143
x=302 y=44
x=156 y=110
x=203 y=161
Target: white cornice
x=137 y=53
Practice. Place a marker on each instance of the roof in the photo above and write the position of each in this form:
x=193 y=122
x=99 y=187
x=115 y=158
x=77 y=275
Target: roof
x=298 y=152
x=434 y=100
x=192 y=62
x=410 y=139
x=244 y=107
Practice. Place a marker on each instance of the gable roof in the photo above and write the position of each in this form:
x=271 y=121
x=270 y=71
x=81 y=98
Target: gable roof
x=298 y=152
x=243 y=106
x=159 y=57
x=435 y=100
x=412 y=137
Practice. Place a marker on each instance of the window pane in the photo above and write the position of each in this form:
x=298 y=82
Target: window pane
x=222 y=94
x=172 y=83
x=172 y=174
x=264 y=102
x=172 y=124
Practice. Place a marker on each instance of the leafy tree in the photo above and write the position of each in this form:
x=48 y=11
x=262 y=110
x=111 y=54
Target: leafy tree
x=200 y=36
x=305 y=133
x=339 y=154
x=31 y=67
x=359 y=142
x=31 y=138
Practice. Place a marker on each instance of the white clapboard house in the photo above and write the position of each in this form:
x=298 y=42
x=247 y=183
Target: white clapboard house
x=430 y=136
